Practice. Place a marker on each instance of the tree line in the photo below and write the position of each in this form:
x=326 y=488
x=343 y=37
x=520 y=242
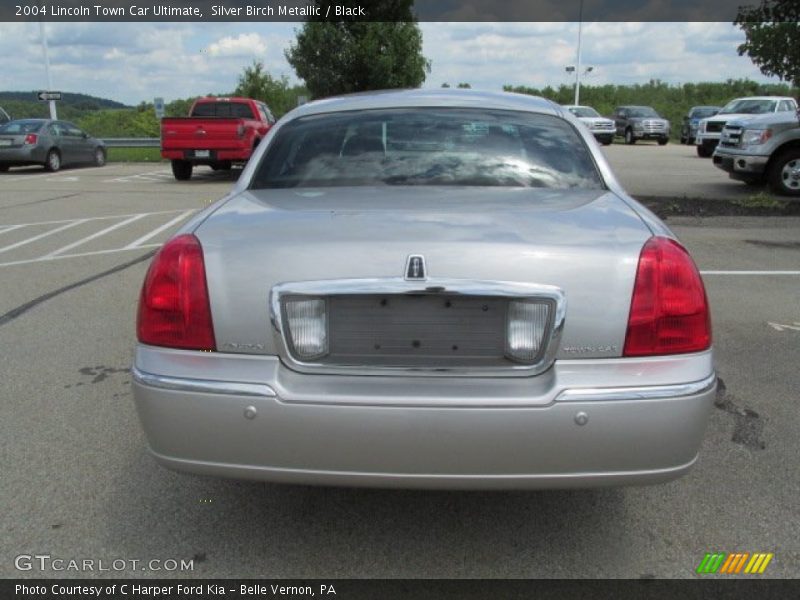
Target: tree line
x=670 y=101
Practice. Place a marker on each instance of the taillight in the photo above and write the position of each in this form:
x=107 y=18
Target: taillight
x=31 y=139
x=174 y=309
x=669 y=309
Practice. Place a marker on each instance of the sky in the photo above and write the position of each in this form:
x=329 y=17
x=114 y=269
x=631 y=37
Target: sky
x=135 y=62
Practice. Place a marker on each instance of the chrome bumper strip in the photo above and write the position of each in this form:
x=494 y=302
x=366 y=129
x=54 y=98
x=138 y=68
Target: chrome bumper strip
x=638 y=393
x=203 y=386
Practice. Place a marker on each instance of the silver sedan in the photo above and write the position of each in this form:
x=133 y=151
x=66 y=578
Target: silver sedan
x=49 y=143
x=426 y=289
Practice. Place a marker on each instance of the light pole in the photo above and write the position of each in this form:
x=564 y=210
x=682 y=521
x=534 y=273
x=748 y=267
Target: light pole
x=53 y=114
x=578 y=68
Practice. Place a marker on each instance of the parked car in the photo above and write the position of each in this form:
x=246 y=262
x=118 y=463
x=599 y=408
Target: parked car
x=426 y=288
x=4 y=118
x=692 y=119
x=218 y=132
x=762 y=148
x=601 y=128
x=641 y=123
x=49 y=143
x=710 y=129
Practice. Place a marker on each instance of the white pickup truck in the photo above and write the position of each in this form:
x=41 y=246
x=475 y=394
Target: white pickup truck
x=710 y=129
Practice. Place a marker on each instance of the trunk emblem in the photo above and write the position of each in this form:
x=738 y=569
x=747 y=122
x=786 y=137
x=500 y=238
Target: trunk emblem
x=415 y=268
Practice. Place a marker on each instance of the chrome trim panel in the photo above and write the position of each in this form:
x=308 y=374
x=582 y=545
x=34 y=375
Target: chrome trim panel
x=638 y=393
x=395 y=285
x=203 y=386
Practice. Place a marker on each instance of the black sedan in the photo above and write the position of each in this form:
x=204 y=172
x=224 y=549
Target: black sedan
x=49 y=143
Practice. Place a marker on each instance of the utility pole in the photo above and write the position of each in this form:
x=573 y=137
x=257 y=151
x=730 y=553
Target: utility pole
x=53 y=114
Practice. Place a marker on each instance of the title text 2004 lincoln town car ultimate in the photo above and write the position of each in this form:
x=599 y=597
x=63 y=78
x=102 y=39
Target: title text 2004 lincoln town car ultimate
x=426 y=289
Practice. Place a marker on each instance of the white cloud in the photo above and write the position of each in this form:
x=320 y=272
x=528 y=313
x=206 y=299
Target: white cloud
x=244 y=44
x=131 y=62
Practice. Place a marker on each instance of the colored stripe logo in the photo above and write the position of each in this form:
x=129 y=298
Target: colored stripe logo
x=736 y=563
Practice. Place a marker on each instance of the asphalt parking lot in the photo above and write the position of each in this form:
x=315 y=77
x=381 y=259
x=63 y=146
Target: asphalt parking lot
x=78 y=482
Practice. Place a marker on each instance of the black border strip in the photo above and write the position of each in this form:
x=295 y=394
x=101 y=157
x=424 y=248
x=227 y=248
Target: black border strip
x=362 y=10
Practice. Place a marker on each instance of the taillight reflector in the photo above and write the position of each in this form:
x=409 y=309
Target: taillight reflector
x=174 y=309
x=669 y=308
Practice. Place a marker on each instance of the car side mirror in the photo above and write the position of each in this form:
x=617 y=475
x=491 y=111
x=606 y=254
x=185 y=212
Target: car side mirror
x=85 y=135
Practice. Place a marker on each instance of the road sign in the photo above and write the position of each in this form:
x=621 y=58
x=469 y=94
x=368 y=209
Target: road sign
x=45 y=96
x=158 y=104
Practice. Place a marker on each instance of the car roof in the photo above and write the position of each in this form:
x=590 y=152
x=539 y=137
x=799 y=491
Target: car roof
x=418 y=98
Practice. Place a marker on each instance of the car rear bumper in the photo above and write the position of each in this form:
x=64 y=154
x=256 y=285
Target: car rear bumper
x=224 y=154
x=427 y=432
x=25 y=155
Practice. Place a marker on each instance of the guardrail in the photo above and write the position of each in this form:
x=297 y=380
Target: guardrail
x=132 y=142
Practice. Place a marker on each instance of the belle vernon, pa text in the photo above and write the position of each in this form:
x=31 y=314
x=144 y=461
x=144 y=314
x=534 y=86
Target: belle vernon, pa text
x=205 y=590
x=163 y=10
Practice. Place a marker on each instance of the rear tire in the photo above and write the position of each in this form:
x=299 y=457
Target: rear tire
x=629 y=139
x=703 y=152
x=784 y=173
x=182 y=169
x=99 y=157
x=53 y=161
x=3 y=168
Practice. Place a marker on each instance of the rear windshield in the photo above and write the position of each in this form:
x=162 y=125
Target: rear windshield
x=749 y=107
x=237 y=110
x=428 y=146
x=15 y=127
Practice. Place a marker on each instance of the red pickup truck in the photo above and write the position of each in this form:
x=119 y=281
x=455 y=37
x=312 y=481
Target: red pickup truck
x=218 y=132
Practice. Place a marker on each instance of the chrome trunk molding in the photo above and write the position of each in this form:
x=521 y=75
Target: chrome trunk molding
x=203 y=386
x=395 y=285
x=638 y=393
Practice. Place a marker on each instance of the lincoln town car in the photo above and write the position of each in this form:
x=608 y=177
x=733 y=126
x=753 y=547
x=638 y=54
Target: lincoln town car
x=426 y=288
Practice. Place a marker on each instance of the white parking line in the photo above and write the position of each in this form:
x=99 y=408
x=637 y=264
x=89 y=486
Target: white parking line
x=93 y=236
x=78 y=255
x=149 y=176
x=750 y=272
x=10 y=228
x=35 y=176
x=157 y=230
x=158 y=212
x=43 y=235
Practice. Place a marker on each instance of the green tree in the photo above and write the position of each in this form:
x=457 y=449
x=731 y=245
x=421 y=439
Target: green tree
x=773 y=37
x=354 y=56
x=256 y=82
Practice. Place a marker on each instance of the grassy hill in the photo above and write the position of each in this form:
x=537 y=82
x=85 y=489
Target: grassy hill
x=72 y=107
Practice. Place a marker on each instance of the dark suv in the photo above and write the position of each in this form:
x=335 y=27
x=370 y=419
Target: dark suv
x=640 y=123
x=692 y=119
